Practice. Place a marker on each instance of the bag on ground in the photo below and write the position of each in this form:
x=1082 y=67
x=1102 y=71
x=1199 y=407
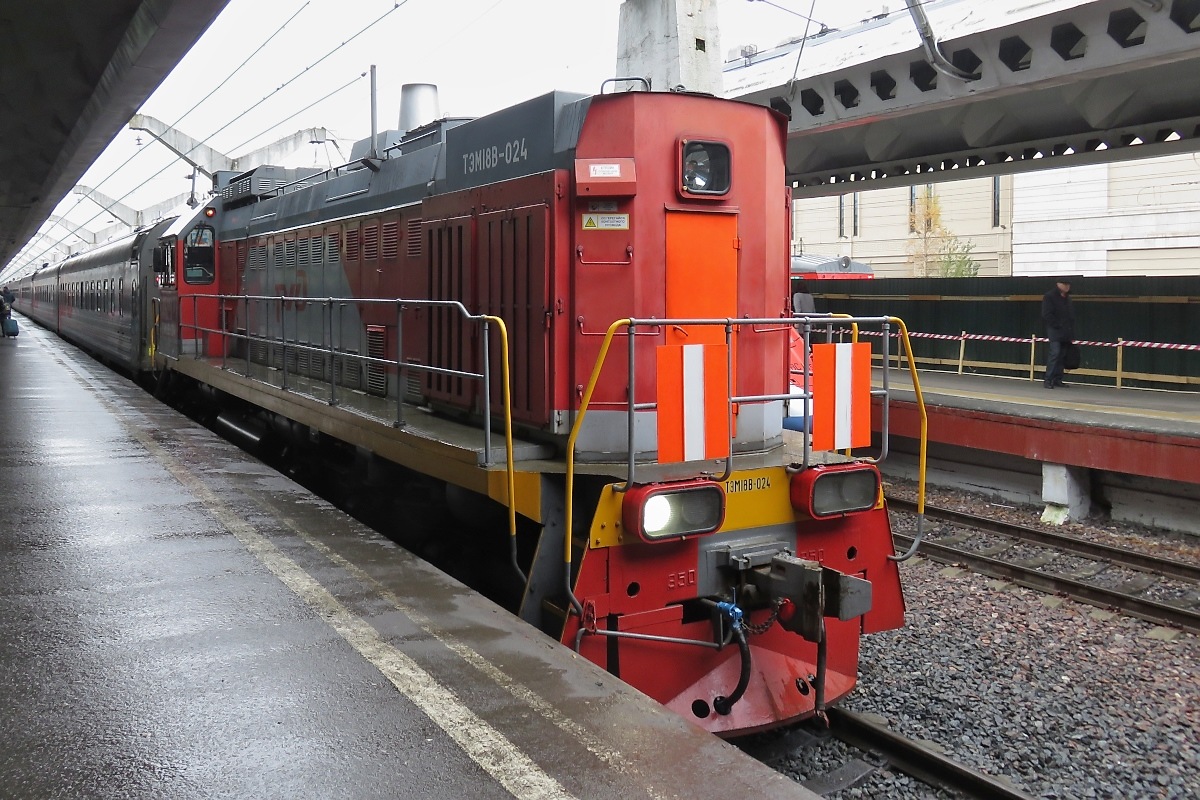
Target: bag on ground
x=1070 y=356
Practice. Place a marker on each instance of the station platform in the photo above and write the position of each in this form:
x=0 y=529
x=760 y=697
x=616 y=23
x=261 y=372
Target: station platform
x=178 y=620
x=1146 y=433
x=1129 y=452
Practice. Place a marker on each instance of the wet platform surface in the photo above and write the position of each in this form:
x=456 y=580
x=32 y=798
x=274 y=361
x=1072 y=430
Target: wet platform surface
x=179 y=621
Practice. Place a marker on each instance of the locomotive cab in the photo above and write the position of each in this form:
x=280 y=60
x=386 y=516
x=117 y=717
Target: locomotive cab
x=768 y=574
x=185 y=265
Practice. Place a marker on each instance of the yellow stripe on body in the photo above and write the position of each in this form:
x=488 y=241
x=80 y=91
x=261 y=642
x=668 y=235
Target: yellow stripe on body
x=753 y=499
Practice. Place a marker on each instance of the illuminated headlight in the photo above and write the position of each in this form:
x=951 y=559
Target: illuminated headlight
x=832 y=490
x=670 y=511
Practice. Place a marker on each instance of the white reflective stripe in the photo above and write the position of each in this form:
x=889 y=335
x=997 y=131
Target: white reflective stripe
x=693 y=402
x=842 y=374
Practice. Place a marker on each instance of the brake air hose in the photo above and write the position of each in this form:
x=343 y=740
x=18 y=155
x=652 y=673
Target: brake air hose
x=722 y=704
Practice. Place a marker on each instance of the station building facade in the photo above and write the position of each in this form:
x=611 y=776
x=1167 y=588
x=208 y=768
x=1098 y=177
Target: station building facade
x=1137 y=217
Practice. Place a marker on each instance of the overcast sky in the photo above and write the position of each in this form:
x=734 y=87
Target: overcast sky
x=482 y=54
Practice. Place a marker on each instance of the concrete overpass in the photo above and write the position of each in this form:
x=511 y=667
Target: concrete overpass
x=69 y=81
x=996 y=88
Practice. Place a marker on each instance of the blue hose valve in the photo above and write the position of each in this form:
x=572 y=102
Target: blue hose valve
x=732 y=611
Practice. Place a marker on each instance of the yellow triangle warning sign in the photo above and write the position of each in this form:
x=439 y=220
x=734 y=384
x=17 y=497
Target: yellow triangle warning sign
x=589 y=221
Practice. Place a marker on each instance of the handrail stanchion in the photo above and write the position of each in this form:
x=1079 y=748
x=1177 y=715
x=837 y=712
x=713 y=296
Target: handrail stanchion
x=1032 y=358
x=283 y=342
x=400 y=374
x=224 y=332
x=632 y=412
x=728 y=399
x=886 y=405
x=510 y=468
x=332 y=357
x=962 y=350
x=487 y=400
x=912 y=366
x=571 y=439
x=247 y=336
x=1120 y=361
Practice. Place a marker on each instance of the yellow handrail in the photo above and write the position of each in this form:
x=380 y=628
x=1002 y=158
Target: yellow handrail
x=583 y=407
x=510 y=469
x=912 y=369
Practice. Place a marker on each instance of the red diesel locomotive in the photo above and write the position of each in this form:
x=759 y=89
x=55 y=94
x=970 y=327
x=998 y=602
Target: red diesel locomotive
x=576 y=310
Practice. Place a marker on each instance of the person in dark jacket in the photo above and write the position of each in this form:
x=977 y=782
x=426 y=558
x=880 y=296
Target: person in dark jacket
x=1059 y=317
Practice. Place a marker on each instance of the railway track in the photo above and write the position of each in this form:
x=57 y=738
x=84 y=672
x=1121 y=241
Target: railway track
x=882 y=748
x=917 y=759
x=1059 y=564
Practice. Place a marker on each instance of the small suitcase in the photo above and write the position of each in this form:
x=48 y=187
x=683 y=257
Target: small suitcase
x=10 y=327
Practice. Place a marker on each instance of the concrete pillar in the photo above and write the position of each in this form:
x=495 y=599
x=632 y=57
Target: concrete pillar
x=671 y=42
x=1066 y=493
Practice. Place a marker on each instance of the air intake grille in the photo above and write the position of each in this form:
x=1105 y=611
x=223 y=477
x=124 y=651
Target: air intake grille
x=376 y=348
x=391 y=239
x=413 y=236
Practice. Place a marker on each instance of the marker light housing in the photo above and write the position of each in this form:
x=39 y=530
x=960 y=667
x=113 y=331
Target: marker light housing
x=665 y=511
x=833 y=490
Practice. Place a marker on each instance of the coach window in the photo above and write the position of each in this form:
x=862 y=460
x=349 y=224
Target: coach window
x=704 y=168
x=198 y=256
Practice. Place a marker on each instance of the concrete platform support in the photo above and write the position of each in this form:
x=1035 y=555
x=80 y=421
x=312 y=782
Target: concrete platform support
x=1066 y=491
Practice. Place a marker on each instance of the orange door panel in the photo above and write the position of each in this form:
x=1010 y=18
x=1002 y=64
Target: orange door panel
x=701 y=278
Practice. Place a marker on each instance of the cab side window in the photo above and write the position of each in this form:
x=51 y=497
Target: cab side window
x=199 y=256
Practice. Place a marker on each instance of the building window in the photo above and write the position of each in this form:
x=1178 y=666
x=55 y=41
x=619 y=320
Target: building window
x=912 y=209
x=996 y=201
x=841 y=216
x=855 y=224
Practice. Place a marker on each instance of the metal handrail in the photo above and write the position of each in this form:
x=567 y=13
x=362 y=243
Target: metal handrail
x=809 y=321
x=334 y=351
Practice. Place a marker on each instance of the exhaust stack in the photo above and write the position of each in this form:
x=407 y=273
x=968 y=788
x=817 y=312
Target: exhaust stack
x=418 y=105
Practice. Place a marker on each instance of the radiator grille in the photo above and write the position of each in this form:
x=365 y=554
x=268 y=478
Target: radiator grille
x=370 y=244
x=376 y=348
x=413 y=239
x=391 y=239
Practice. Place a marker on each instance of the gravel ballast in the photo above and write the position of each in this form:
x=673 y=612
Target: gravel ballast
x=1063 y=699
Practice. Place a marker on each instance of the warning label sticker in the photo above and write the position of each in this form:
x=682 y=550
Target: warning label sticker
x=606 y=222
x=604 y=170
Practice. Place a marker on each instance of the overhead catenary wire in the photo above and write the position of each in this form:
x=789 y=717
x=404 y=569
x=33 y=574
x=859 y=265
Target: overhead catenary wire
x=178 y=119
x=236 y=117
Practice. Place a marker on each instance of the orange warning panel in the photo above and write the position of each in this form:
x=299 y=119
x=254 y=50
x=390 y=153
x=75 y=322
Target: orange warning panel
x=841 y=375
x=693 y=402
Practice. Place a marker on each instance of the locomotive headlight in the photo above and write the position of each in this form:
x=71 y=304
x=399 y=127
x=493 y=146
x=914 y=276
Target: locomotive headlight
x=835 y=489
x=661 y=512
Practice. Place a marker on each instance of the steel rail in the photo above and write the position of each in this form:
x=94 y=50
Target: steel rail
x=918 y=760
x=1150 y=610
x=1117 y=555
